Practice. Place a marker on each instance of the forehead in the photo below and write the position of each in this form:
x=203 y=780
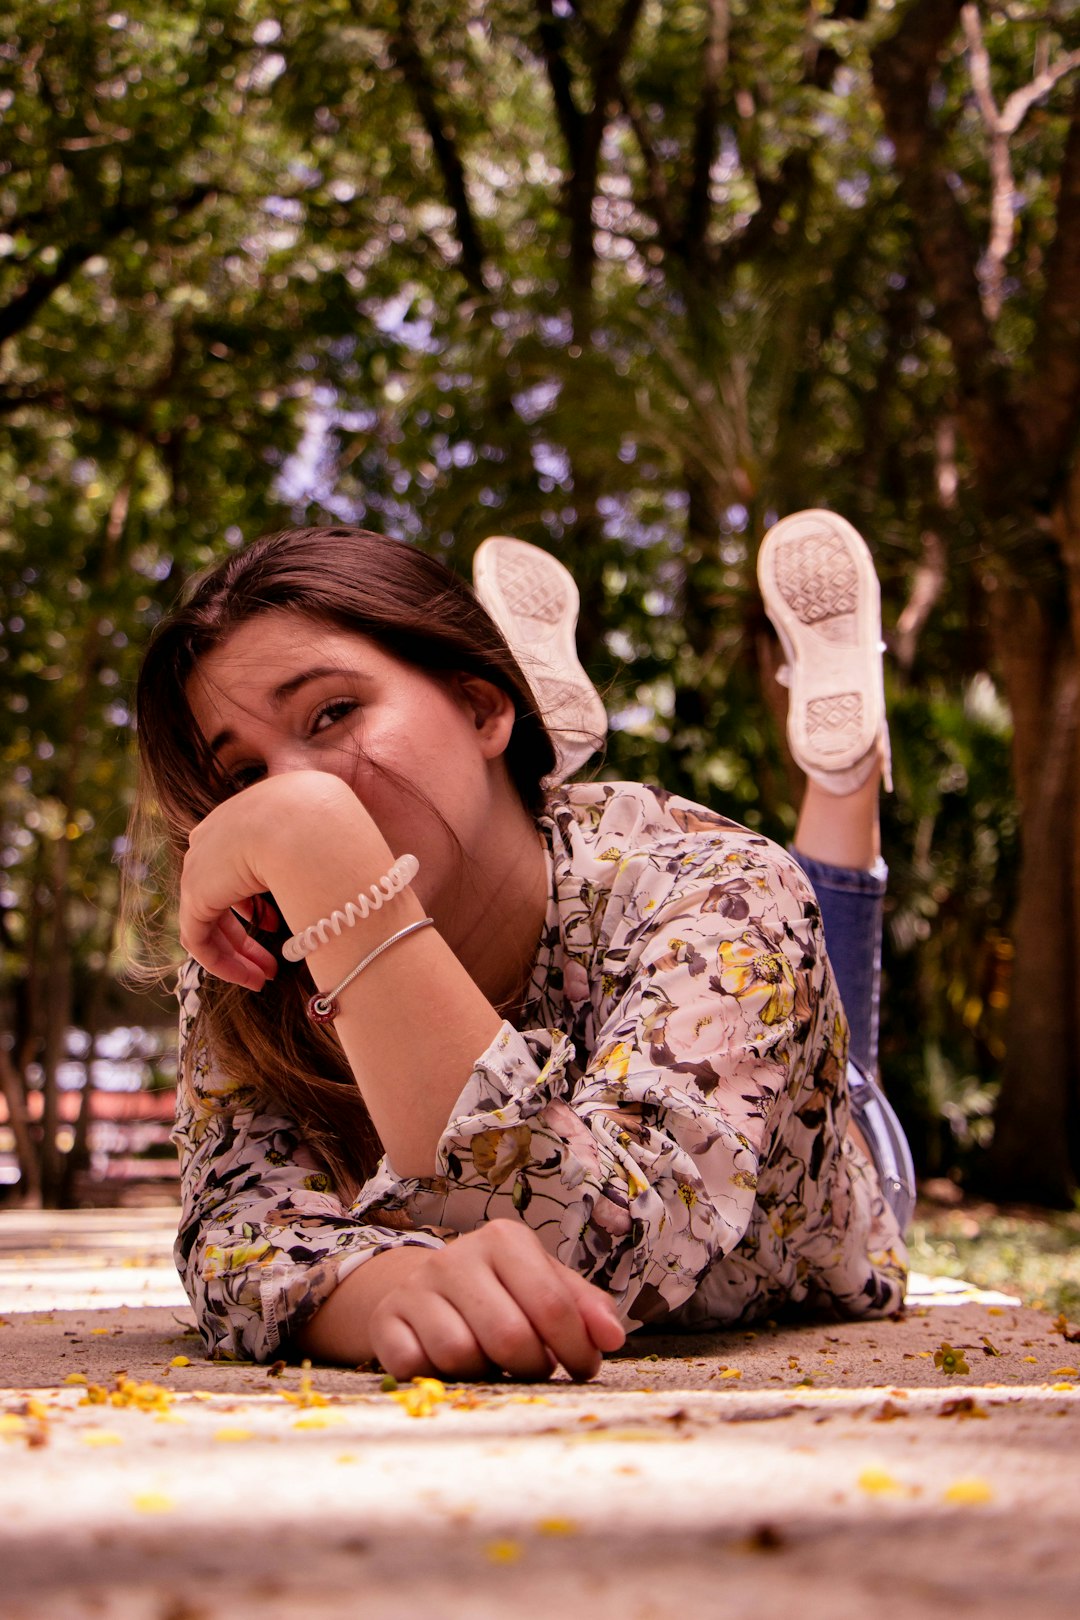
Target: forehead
x=270 y=638
x=261 y=659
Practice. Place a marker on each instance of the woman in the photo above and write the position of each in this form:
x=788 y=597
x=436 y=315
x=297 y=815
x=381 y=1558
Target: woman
x=596 y=1034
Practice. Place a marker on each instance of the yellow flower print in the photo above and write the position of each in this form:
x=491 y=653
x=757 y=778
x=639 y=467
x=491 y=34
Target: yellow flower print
x=613 y=1064
x=218 y=1259
x=498 y=1154
x=751 y=966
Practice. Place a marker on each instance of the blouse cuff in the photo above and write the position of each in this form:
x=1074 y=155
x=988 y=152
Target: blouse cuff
x=515 y=1078
x=271 y=1303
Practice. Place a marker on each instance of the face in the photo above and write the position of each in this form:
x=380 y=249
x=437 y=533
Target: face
x=288 y=693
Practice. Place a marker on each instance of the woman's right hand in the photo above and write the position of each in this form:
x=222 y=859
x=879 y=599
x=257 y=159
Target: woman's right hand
x=493 y=1300
x=283 y=835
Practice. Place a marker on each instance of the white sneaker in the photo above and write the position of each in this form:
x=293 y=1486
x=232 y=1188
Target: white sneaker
x=820 y=590
x=534 y=602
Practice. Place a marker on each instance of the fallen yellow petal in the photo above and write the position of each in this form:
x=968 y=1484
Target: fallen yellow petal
x=311 y=1423
x=102 y=1437
x=1062 y=1386
x=731 y=1372
x=556 y=1527
x=152 y=1502
x=971 y=1492
x=1065 y=1372
x=98 y=1331
x=1030 y=1359
x=180 y=1361
x=234 y=1434
x=502 y=1552
x=11 y=1423
x=76 y=1378
x=877 y=1482
x=422 y=1398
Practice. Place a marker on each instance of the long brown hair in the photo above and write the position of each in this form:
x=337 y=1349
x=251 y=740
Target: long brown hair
x=415 y=608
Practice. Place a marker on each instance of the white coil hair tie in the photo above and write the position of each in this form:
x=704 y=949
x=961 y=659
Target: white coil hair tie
x=383 y=889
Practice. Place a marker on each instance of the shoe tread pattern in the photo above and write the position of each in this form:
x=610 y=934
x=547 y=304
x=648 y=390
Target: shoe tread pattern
x=818 y=580
x=834 y=723
x=529 y=591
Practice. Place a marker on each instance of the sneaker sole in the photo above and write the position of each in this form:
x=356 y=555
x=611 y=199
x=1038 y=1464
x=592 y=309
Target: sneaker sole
x=534 y=601
x=821 y=592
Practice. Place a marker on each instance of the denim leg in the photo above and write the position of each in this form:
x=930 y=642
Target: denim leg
x=852 y=905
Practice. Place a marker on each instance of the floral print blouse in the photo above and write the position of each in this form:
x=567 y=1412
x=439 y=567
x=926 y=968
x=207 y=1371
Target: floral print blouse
x=670 y=1118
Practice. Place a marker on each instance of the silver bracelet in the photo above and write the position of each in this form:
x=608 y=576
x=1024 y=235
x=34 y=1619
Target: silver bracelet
x=383 y=889
x=322 y=1008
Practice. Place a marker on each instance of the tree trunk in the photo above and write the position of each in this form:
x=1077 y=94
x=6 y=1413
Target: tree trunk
x=25 y=1155
x=57 y=1012
x=1029 y=1158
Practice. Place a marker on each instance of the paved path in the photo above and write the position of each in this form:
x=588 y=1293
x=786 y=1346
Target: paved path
x=814 y=1470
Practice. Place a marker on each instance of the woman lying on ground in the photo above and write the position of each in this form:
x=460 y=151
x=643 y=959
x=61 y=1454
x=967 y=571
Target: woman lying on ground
x=584 y=1066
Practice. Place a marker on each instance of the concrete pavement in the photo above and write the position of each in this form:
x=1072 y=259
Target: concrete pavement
x=821 y=1468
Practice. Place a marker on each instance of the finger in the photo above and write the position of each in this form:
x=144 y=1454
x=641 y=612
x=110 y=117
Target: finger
x=442 y=1337
x=500 y=1326
x=397 y=1349
x=226 y=950
x=539 y=1288
x=219 y=958
x=247 y=947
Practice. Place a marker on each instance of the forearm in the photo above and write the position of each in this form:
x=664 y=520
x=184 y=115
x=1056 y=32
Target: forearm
x=414 y=1022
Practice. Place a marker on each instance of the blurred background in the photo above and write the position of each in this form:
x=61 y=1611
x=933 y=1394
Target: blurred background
x=628 y=279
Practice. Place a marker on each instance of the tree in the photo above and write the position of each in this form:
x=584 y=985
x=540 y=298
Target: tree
x=626 y=279
x=999 y=254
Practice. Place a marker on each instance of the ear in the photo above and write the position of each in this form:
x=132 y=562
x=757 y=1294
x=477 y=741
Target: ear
x=492 y=712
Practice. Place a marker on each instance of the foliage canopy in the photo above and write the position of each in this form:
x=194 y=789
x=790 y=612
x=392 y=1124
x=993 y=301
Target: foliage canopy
x=625 y=278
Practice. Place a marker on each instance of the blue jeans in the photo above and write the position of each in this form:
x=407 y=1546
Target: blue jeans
x=852 y=906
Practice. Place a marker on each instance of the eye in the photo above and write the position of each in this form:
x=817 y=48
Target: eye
x=328 y=714
x=242 y=776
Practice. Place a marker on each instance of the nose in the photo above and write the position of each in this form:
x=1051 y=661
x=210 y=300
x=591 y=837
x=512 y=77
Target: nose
x=281 y=761
x=295 y=757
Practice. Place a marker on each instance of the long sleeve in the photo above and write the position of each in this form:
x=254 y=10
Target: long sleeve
x=677 y=1131
x=263 y=1239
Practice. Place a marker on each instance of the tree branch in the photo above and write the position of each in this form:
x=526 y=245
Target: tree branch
x=408 y=58
x=552 y=34
x=1000 y=124
x=1002 y=219
x=584 y=134
x=658 y=197
x=20 y=309
x=706 y=125
x=1051 y=407
x=904 y=67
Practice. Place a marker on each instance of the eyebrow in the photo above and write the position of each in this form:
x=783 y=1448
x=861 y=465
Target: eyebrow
x=282 y=693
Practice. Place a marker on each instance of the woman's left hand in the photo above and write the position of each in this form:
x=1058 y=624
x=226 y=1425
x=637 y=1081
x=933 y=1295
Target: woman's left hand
x=273 y=837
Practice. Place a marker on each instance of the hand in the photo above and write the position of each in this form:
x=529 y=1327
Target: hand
x=271 y=837
x=494 y=1299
